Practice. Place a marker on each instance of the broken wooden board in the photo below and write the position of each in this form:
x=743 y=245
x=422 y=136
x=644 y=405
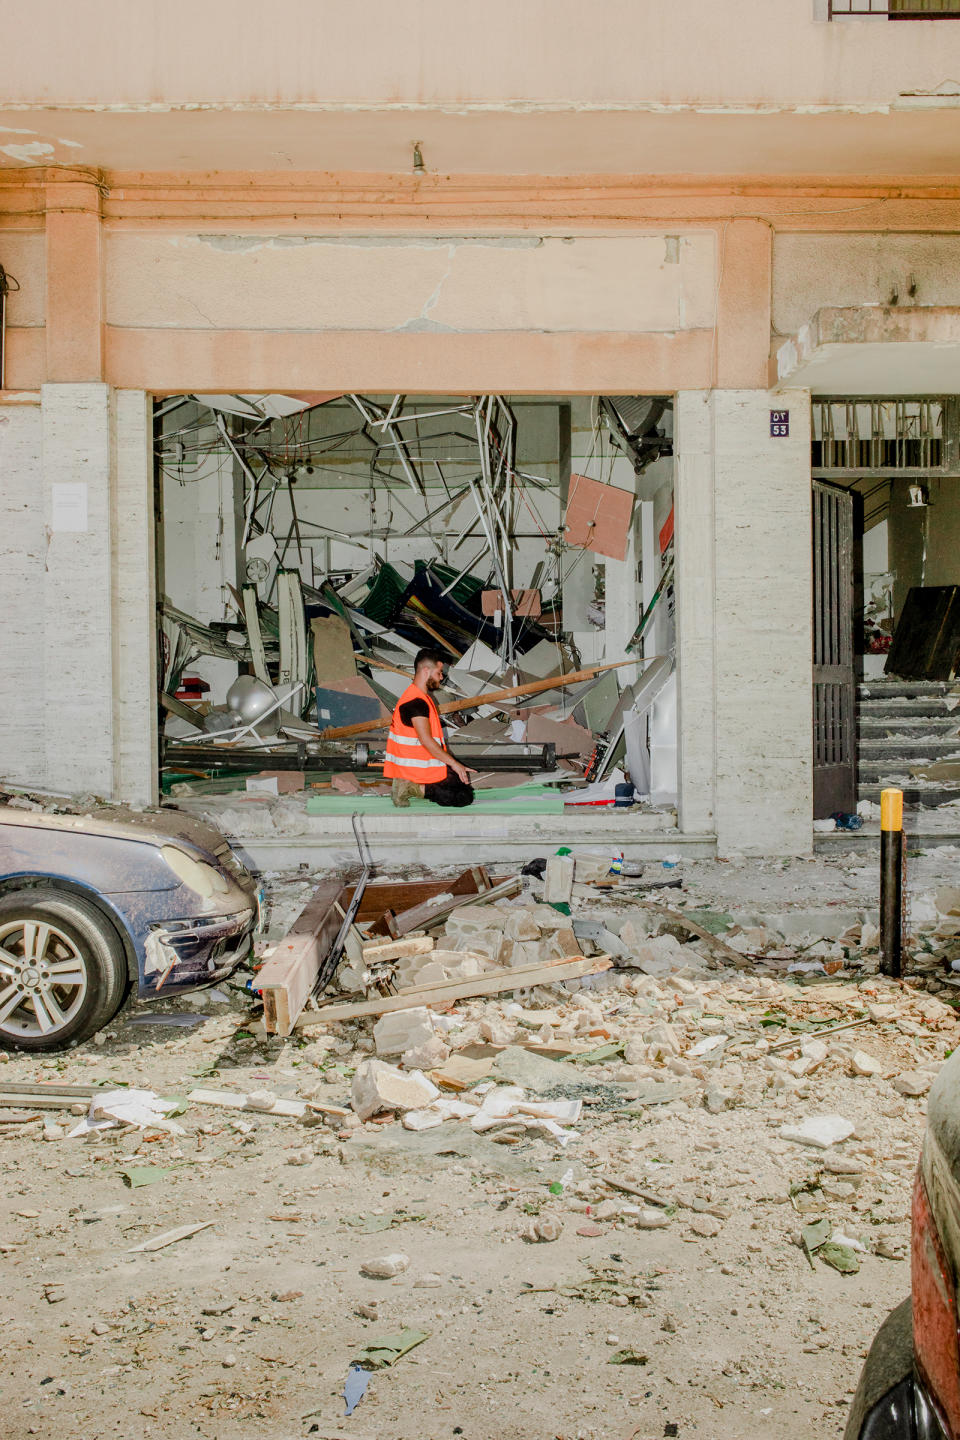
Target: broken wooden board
x=443 y=993
x=401 y=895
x=170 y=1237
x=433 y=912
x=181 y=709
x=238 y=1100
x=397 y=949
x=286 y=981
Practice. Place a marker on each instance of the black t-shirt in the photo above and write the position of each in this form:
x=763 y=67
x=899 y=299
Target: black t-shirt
x=412 y=708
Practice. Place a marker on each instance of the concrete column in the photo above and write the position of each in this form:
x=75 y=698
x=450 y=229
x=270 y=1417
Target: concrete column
x=77 y=652
x=745 y=653
x=74 y=280
x=134 y=601
x=764 y=657
x=98 y=656
x=22 y=551
x=694 y=591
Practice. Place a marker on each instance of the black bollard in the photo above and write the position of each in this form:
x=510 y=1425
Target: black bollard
x=891 y=883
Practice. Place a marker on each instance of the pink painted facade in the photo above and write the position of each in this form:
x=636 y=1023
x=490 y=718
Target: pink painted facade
x=241 y=213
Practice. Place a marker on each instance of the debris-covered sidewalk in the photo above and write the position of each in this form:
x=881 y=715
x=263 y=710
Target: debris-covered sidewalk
x=667 y=1196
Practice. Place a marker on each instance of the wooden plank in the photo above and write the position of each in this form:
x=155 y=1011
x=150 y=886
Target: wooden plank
x=383 y=895
x=397 y=949
x=181 y=709
x=444 y=992
x=234 y=1100
x=288 y=978
x=489 y=697
x=424 y=917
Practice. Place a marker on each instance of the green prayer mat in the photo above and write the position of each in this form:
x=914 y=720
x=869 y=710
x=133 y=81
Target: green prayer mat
x=532 y=799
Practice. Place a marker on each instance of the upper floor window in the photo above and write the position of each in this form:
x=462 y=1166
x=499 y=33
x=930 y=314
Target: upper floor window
x=894 y=9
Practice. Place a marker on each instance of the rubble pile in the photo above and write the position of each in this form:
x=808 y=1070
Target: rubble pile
x=693 y=1166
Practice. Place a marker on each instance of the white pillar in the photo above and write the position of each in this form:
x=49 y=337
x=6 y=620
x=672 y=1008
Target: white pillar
x=694 y=591
x=98 y=715
x=77 y=712
x=743 y=533
x=23 y=545
x=134 y=601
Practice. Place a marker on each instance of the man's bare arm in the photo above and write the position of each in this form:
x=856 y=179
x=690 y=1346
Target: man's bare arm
x=436 y=752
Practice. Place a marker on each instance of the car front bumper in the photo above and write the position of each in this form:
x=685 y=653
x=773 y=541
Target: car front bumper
x=890 y=1401
x=185 y=954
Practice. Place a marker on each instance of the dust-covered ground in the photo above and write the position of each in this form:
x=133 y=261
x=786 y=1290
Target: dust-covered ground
x=249 y=1327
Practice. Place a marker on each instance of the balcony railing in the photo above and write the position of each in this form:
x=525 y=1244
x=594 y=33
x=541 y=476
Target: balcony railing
x=893 y=9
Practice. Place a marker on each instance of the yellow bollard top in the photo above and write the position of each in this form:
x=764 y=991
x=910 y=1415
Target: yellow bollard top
x=891 y=809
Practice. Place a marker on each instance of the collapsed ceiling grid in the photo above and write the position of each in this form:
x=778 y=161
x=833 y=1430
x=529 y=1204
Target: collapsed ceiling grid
x=311 y=545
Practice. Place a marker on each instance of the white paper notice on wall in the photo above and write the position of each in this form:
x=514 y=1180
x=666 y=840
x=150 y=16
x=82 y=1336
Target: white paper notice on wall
x=68 y=506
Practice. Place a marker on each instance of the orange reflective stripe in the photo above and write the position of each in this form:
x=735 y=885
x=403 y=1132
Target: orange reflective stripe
x=407 y=758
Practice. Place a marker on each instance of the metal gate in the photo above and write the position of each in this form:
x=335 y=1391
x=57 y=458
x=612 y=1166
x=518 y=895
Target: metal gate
x=834 y=709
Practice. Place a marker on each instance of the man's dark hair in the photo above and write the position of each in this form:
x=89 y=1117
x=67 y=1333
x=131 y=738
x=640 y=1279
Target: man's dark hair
x=429 y=657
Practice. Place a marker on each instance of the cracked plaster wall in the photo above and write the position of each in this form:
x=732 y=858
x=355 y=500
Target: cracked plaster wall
x=813 y=271
x=625 y=283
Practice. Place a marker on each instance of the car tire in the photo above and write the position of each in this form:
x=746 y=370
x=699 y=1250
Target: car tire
x=65 y=961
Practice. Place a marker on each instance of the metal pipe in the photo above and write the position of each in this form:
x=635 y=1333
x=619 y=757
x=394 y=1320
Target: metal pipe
x=892 y=858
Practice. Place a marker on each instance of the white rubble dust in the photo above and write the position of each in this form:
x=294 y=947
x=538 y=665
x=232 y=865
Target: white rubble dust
x=664 y=1233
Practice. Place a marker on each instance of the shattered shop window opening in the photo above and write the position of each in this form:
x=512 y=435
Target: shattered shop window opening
x=311 y=546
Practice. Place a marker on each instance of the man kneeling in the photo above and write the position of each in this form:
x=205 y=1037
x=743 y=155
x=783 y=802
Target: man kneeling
x=417 y=762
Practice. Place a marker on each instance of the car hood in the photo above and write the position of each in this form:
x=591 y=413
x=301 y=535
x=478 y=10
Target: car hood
x=151 y=827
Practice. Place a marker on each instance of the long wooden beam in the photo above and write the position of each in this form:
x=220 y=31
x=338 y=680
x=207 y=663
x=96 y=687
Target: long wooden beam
x=520 y=978
x=490 y=697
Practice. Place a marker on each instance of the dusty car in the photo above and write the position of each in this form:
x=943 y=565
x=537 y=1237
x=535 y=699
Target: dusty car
x=910 y=1384
x=94 y=904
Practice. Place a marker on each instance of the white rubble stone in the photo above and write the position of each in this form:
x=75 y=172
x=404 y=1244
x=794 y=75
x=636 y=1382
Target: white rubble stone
x=520 y=925
x=636 y=932
x=913 y=1083
x=497 y=1032
x=403 y=1030
x=426 y=1056
x=483 y=942
x=663 y=1039
x=558 y=880
x=820 y=1131
x=378 y=1086
x=658 y=956
x=864 y=1064
x=471 y=918
x=385 y=1267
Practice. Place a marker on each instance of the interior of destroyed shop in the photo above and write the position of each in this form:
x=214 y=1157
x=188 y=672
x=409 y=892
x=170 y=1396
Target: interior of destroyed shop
x=309 y=546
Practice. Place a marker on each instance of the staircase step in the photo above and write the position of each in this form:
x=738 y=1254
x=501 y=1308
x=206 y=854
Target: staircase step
x=935 y=706
x=927 y=797
x=899 y=689
x=909 y=725
x=899 y=746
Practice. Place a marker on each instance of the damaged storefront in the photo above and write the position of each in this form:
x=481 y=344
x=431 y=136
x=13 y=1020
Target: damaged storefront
x=310 y=546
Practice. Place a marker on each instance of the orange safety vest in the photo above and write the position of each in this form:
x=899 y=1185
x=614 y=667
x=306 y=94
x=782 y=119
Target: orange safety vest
x=407 y=759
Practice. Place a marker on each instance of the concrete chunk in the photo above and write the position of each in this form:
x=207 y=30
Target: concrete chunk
x=378 y=1086
x=558 y=881
x=402 y=1030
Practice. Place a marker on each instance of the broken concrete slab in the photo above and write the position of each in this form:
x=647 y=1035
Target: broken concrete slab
x=402 y=1030
x=378 y=1086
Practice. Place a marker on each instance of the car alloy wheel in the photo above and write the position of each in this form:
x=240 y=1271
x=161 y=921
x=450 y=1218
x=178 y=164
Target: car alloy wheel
x=43 y=979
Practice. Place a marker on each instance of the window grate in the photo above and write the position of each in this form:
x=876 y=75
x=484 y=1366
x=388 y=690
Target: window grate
x=893 y=9
x=867 y=436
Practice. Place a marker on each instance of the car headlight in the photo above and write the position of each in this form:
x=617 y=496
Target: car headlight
x=197 y=875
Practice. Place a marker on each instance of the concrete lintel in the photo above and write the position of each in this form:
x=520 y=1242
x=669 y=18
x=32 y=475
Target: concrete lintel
x=874 y=350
